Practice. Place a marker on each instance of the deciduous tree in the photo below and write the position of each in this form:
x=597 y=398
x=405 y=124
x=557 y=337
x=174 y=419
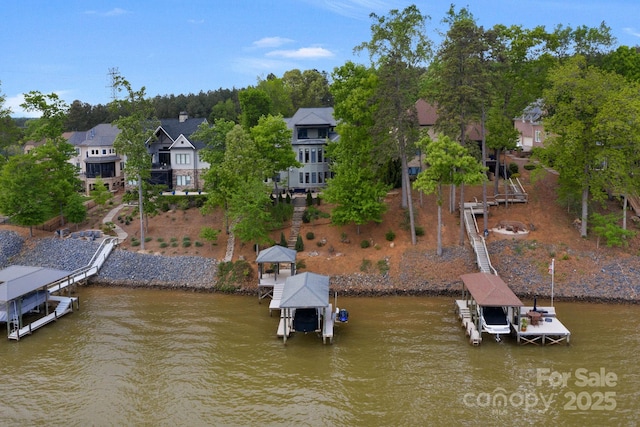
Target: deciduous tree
x=137 y=124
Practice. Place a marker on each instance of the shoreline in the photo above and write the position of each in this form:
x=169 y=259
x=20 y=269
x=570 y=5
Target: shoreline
x=615 y=281
x=351 y=293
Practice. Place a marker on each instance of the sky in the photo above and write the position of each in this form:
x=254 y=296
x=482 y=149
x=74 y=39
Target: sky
x=181 y=47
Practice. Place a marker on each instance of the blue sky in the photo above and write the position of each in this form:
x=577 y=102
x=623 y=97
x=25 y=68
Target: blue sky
x=180 y=47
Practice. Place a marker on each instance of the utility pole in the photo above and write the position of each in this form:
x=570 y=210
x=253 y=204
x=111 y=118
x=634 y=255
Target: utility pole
x=113 y=74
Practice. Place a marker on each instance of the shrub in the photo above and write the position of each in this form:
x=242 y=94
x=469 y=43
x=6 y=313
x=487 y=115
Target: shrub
x=135 y=242
x=283 y=241
x=383 y=266
x=300 y=265
x=159 y=240
x=529 y=166
x=390 y=235
x=419 y=230
x=365 y=265
x=231 y=274
x=299 y=244
x=309 y=199
x=365 y=244
x=310 y=235
x=164 y=244
x=174 y=244
x=186 y=243
x=513 y=168
x=209 y=234
x=148 y=239
x=198 y=244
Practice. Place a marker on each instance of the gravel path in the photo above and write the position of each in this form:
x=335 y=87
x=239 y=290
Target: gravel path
x=612 y=280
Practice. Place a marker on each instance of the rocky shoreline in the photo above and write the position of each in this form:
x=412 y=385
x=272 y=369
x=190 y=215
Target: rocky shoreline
x=614 y=281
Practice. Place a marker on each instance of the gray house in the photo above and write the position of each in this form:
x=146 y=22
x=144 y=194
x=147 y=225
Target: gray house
x=313 y=129
x=175 y=157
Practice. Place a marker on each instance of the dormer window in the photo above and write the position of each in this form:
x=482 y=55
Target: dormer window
x=302 y=133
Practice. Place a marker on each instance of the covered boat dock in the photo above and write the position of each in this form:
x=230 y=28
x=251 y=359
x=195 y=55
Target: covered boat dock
x=25 y=290
x=305 y=306
x=486 y=298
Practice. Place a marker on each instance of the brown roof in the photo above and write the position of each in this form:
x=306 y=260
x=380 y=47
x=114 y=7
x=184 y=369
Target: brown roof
x=489 y=290
x=427 y=113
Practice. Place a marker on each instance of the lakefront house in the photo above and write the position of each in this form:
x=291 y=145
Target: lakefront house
x=312 y=129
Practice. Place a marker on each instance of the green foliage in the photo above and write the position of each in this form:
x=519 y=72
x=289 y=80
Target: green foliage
x=513 y=168
x=209 y=234
x=280 y=213
x=27 y=205
x=300 y=264
x=283 y=240
x=233 y=274
x=309 y=199
x=606 y=226
x=530 y=166
x=299 y=244
x=364 y=244
x=365 y=265
x=419 y=230
x=383 y=267
x=100 y=194
x=310 y=235
x=390 y=235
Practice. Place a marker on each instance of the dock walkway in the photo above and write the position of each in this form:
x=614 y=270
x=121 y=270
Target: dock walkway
x=65 y=304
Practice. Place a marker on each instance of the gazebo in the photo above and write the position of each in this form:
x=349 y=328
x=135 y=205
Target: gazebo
x=282 y=265
x=305 y=305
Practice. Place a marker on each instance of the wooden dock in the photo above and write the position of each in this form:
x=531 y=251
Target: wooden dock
x=548 y=330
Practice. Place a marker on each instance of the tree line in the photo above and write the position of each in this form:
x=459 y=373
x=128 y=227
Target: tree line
x=476 y=76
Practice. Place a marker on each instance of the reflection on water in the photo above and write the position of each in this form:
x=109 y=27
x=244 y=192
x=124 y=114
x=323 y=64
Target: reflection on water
x=143 y=357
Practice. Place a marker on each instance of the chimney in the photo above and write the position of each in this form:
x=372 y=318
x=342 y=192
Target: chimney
x=184 y=116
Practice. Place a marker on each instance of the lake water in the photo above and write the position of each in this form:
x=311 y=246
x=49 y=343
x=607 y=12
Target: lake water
x=166 y=358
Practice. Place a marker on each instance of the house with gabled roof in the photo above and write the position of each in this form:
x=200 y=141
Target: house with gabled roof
x=175 y=157
x=530 y=126
x=96 y=157
x=312 y=129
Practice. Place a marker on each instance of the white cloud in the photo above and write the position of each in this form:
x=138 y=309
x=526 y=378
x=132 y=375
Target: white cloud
x=14 y=102
x=113 y=12
x=303 y=53
x=270 y=42
x=632 y=31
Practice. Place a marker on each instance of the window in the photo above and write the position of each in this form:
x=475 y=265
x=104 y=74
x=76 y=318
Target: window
x=302 y=133
x=182 y=159
x=313 y=155
x=104 y=151
x=322 y=133
x=183 y=180
x=538 y=136
x=306 y=177
x=300 y=178
x=313 y=177
x=320 y=179
x=306 y=155
x=319 y=155
x=300 y=155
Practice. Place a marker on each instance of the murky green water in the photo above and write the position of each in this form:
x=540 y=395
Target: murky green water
x=142 y=357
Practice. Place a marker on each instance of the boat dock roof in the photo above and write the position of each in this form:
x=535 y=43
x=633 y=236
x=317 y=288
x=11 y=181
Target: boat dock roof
x=489 y=290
